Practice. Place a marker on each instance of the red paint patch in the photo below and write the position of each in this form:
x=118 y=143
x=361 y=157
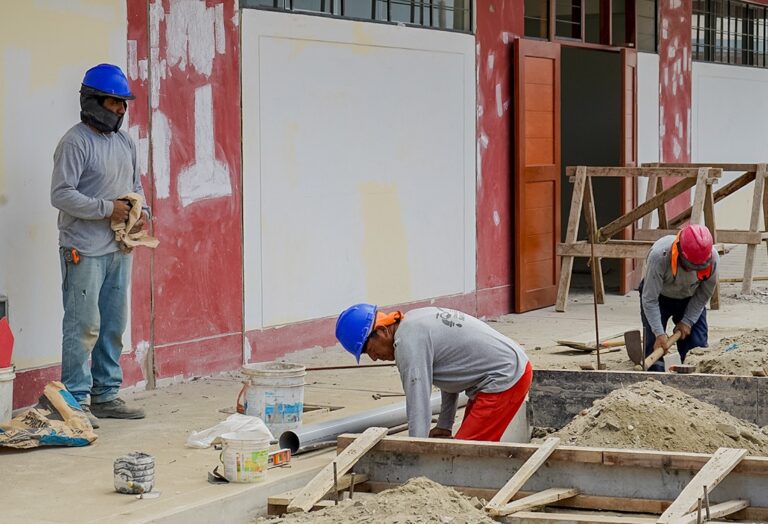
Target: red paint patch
x=202 y=357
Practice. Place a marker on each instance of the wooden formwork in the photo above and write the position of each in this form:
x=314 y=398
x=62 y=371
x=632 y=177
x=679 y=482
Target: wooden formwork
x=600 y=244
x=752 y=237
x=660 y=486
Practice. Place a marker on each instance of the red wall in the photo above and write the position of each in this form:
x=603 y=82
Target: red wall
x=498 y=24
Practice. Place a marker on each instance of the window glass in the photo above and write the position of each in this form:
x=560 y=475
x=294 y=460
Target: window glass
x=729 y=32
x=646 y=24
x=568 y=19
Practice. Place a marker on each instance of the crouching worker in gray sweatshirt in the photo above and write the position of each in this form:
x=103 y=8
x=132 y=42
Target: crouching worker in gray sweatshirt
x=451 y=350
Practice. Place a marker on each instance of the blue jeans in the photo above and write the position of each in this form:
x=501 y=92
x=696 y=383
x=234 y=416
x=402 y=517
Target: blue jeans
x=95 y=293
x=675 y=308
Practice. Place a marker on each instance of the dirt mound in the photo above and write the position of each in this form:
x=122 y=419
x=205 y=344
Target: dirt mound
x=650 y=415
x=732 y=294
x=419 y=500
x=734 y=355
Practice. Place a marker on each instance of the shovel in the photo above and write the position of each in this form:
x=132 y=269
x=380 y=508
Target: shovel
x=636 y=352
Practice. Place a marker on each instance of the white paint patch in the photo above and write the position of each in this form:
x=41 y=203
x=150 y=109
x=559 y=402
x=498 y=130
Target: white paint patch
x=207 y=177
x=675 y=4
x=665 y=73
x=161 y=154
x=676 y=149
x=479 y=165
x=477 y=49
x=491 y=58
x=189 y=36
x=247 y=350
x=480 y=111
x=142 y=348
x=496 y=218
x=665 y=29
x=143 y=69
x=506 y=105
x=484 y=139
x=499 y=101
x=218 y=29
x=662 y=125
x=133 y=66
x=156 y=15
x=141 y=148
x=505 y=37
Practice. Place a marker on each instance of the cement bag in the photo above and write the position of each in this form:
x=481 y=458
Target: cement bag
x=57 y=420
x=233 y=423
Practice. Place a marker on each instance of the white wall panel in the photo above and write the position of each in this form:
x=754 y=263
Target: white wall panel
x=359 y=178
x=730 y=124
x=45 y=47
x=647 y=116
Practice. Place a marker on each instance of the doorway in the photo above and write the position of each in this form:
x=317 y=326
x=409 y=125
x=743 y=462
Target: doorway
x=591 y=125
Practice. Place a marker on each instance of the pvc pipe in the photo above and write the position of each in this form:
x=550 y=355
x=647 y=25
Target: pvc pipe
x=384 y=417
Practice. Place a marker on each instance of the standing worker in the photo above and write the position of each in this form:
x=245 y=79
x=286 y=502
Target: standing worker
x=680 y=277
x=452 y=350
x=93 y=166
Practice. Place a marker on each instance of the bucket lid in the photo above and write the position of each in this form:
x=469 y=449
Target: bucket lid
x=255 y=437
x=274 y=369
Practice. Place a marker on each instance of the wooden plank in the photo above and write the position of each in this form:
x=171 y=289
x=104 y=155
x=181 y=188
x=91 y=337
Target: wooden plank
x=709 y=221
x=584 y=502
x=590 y=216
x=685 y=172
x=700 y=192
x=571 y=234
x=612 y=249
x=542 y=498
x=662 y=210
x=286 y=497
x=728 y=189
x=531 y=517
x=713 y=472
x=724 y=236
x=646 y=207
x=715 y=512
x=645 y=223
x=522 y=475
x=723 y=166
x=323 y=481
x=754 y=222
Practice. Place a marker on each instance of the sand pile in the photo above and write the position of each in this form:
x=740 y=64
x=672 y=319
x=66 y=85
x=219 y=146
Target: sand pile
x=650 y=415
x=420 y=500
x=734 y=355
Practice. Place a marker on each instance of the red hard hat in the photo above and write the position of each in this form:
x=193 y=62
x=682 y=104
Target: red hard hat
x=696 y=244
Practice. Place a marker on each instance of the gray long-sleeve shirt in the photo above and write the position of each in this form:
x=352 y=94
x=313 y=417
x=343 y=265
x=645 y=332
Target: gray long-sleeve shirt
x=659 y=280
x=456 y=352
x=90 y=170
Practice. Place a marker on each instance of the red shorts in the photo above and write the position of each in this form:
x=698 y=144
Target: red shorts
x=487 y=416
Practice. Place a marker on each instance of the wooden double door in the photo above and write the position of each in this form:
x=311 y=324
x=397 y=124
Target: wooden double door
x=537 y=170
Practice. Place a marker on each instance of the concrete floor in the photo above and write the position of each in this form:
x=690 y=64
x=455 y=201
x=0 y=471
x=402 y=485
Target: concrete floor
x=75 y=484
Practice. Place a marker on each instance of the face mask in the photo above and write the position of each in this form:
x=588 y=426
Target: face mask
x=96 y=115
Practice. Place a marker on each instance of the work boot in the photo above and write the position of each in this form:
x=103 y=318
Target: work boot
x=93 y=420
x=116 y=408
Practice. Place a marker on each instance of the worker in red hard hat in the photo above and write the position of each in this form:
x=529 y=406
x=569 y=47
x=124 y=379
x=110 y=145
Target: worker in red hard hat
x=451 y=350
x=680 y=277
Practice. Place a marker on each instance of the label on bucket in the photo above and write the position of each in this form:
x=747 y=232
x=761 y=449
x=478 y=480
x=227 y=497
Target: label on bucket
x=281 y=408
x=244 y=465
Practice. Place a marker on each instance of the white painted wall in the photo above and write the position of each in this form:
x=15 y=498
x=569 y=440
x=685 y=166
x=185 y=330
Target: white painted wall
x=45 y=47
x=647 y=118
x=358 y=165
x=730 y=124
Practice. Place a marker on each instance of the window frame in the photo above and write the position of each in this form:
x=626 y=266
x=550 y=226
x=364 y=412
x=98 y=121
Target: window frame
x=734 y=33
x=425 y=10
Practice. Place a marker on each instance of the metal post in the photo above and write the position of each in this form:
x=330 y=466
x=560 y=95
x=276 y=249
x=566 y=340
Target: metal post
x=352 y=485
x=336 y=485
x=706 y=501
x=698 y=512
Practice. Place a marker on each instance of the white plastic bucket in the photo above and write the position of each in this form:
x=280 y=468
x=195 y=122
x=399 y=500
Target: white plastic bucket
x=274 y=392
x=245 y=455
x=6 y=393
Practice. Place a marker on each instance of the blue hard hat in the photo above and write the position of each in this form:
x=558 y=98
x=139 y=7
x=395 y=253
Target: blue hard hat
x=109 y=80
x=353 y=327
